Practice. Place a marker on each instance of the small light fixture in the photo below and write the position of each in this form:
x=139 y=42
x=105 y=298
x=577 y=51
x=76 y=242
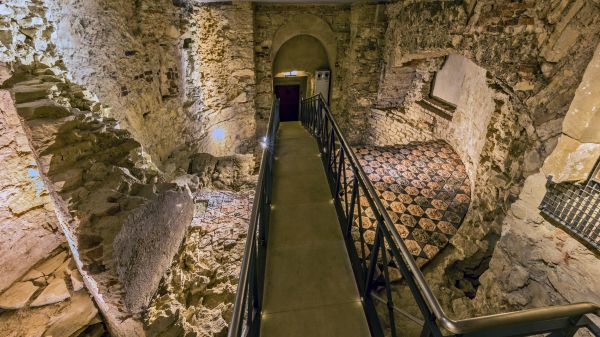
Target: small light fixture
x=263 y=142
x=218 y=134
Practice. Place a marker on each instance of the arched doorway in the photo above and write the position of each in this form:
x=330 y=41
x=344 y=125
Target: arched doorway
x=297 y=73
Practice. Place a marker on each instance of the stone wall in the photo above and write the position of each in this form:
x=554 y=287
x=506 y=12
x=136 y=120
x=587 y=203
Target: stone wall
x=99 y=179
x=38 y=278
x=220 y=79
x=354 y=50
x=296 y=20
x=127 y=53
x=362 y=63
x=537 y=48
x=410 y=118
x=535 y=54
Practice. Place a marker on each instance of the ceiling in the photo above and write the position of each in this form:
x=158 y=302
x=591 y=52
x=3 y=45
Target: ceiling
x=285 y=1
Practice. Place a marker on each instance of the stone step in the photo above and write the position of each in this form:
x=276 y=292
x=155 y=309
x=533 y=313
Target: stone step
x=44 y=108
x=30 y=82
x=29 y=93
x=50 y=78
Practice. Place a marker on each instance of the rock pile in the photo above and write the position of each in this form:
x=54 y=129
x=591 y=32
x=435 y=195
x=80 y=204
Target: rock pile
x=50 y=300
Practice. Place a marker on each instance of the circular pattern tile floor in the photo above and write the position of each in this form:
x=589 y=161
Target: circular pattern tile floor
x=425 y=189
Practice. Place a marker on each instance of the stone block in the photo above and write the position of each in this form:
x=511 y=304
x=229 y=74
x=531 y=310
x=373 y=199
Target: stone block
x=49 y=266
x=571 y=160
x=17 y=295
x=80 y=311
x=56 y=291
x=145 y=246
x=44 y=108
x=30 y=93
x=582 y=121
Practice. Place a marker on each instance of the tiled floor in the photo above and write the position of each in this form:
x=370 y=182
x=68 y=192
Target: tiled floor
x=425 y=189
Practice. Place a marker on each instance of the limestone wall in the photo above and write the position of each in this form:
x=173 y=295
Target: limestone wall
x=99 y=180
x=127 y=53
x=220 y=80
x=578 y=147
x=29 y=227
x=38 y=279
x=25 y=32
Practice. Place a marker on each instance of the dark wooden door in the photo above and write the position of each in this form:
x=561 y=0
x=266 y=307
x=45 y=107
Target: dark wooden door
x=289 y=101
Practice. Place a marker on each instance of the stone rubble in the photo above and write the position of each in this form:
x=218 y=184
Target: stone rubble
x=46 y=303
x=197 y=293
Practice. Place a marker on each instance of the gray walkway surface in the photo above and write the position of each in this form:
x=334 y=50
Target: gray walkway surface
x=309 y=286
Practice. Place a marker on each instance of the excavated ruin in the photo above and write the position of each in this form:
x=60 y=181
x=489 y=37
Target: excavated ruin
x=131 y=136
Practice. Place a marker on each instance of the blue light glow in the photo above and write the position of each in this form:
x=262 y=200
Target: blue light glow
x=34 y=175
x=218 y=134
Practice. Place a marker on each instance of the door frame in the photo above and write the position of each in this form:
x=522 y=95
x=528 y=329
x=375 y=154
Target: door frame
x=300 y=94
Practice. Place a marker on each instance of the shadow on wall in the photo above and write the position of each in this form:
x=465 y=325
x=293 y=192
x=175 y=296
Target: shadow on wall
x=126 y=223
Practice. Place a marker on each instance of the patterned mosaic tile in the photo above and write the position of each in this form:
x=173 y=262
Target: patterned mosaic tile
x=424 y=187
x=222 y=210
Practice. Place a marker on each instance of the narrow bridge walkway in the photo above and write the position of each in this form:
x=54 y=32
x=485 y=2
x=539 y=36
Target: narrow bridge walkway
x=309 y=286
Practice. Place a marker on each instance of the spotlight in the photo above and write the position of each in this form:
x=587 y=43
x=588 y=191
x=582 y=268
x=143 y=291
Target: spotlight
x=218 y=134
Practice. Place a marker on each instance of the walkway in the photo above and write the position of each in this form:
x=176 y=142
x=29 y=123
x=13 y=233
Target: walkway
x=309 y=285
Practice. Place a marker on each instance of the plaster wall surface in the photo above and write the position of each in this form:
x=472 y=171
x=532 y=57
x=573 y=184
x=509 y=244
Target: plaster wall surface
x=302 y=52
x=449 y=80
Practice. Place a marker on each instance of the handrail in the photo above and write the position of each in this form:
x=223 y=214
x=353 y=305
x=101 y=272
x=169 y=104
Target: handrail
x=248 y=302
x=317 y=117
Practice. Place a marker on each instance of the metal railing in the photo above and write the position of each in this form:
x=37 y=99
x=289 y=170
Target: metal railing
x=245 y=320
x=576 y=207
x=371 y=263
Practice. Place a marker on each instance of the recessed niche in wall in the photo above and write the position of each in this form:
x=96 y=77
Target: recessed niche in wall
x=442 y=95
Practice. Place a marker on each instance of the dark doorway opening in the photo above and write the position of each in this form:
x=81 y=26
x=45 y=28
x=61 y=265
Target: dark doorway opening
x=289 y=102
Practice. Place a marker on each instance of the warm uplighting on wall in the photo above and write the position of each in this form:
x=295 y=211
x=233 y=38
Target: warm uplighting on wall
x=292 y=73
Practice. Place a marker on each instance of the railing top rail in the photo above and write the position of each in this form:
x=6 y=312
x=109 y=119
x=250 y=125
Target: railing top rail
x=454 y=326
x=242 y=289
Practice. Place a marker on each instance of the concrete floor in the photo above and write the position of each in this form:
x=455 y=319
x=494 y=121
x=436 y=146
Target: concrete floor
x=309 y=286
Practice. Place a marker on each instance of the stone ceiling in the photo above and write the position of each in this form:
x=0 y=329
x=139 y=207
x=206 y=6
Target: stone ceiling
x=278 y=1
